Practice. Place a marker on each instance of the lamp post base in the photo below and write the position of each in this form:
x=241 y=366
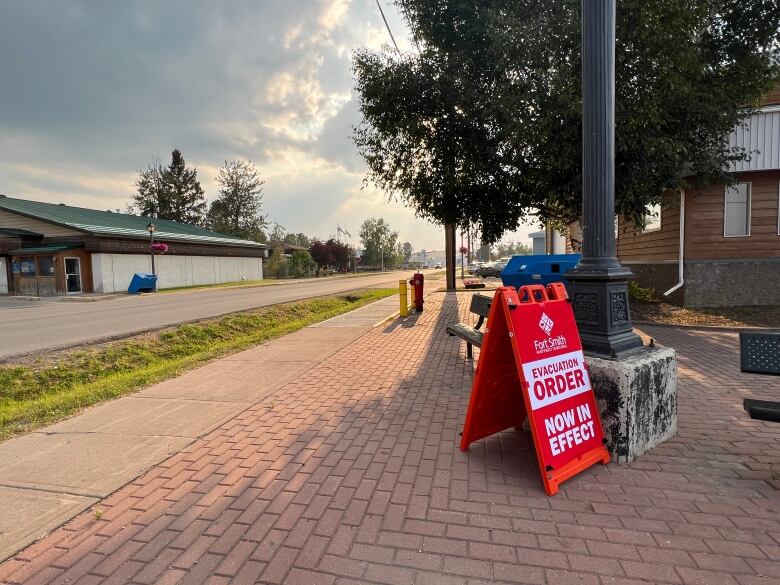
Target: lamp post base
x=600 y=302
x=637 y=398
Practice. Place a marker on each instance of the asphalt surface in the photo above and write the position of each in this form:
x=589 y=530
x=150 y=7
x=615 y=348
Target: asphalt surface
x=34 y=326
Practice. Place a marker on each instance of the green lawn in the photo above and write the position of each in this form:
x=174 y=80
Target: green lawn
x=32 y=395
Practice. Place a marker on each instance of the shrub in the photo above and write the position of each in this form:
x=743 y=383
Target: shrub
x=639 y=293
x=277 y=264
x=301 y=264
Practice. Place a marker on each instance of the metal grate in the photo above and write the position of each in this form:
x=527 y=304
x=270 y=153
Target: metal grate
x=760 y=351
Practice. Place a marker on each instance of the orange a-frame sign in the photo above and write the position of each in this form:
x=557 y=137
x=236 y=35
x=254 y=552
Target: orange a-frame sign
x=531 y=363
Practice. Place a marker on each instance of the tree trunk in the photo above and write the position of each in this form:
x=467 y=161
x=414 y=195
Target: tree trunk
x=449 y=252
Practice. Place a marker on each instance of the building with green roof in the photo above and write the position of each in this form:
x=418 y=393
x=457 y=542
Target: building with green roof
x=51 y=249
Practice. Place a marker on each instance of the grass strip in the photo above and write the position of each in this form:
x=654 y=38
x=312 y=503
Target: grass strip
x=32 y=395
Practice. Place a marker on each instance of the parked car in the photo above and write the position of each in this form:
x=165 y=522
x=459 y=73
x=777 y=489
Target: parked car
x=437 y=267
x=491 y=270
x=474 y=266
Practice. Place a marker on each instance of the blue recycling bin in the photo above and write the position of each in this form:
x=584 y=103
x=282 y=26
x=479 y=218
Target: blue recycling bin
x=142 y=282
x=539 y=269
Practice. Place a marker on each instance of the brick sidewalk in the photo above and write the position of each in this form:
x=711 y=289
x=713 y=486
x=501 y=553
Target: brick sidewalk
x=351 y=475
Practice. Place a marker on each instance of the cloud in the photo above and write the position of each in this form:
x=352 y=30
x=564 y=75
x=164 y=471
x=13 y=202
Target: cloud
x=95 y=90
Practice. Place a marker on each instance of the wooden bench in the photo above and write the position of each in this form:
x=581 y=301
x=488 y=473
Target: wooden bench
x=480 y=306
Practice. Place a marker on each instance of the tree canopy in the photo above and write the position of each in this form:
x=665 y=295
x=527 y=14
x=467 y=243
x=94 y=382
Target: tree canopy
x=332 y=253
x=237 y=210
x=379 y=242
x=482 y=126
x=407 y=251
x=171 y=192
x=507 y=248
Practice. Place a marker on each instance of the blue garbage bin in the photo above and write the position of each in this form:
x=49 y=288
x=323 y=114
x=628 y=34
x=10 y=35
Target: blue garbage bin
x=142 y=282
x=539 y=269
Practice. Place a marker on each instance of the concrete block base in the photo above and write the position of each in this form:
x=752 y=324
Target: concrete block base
x=637 y=397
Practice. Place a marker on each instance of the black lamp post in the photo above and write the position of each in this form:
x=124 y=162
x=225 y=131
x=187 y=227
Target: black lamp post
x=150 y=228
x=599 y=282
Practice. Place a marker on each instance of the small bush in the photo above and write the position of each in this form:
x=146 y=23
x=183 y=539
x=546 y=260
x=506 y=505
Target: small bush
x=639 y=293
x=301 y=264
x=277 y=264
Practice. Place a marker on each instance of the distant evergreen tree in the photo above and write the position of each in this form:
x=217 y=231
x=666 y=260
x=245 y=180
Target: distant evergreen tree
x=173 y=192
x=237 y=211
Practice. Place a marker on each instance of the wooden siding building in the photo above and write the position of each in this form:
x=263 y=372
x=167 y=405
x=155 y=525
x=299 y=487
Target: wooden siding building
x=48 y=249
x=719 y=245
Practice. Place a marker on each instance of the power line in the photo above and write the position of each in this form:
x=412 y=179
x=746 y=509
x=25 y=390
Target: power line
x=382 y=12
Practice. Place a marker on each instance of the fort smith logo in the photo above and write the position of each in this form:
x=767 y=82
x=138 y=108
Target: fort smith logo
x=546 y=324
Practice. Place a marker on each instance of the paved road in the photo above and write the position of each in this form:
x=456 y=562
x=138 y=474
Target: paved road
x=51 y=324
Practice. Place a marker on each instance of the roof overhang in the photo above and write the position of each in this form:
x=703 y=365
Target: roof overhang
x=19 y=233
x=50 y=249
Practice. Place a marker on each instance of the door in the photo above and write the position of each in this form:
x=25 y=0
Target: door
x=72 y=275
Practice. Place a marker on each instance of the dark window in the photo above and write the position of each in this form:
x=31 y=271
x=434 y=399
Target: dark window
x=45 y=265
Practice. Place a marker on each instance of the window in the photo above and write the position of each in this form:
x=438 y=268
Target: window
x=736 y=214
x=45 y=265
x=652 y=219
x=27 y=265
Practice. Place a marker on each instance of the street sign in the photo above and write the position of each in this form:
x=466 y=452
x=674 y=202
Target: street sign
x=531 y=364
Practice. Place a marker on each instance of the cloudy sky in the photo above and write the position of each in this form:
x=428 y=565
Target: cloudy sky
x=93 y=90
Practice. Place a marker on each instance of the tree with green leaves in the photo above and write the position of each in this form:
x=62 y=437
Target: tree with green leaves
x=507 y=248
x=483 y=126
x=299 y=239
x=379 y=242
x=237 y=210
x=277 y=234
x=407 y=251
x=171 y=192
x=277 y=266
x=301 y=264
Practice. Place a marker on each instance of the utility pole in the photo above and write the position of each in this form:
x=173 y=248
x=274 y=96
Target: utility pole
x=599 y=283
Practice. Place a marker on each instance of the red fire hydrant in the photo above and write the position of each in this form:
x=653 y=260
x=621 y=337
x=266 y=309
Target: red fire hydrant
x=417 y=285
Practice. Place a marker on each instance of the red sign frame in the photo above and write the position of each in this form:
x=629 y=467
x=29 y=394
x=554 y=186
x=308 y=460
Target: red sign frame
x=531 y=364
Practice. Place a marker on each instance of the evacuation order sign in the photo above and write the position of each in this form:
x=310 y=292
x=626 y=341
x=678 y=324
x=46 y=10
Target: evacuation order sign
x=560 y=400
x=531 y=364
